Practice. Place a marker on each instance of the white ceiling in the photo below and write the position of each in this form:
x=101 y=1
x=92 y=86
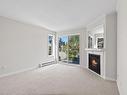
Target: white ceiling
x=56 y=15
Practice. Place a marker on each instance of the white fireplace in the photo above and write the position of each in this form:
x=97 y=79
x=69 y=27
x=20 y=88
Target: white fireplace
x=101 y=62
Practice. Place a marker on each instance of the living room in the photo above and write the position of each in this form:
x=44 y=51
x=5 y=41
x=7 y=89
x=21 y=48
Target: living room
x=75 y=47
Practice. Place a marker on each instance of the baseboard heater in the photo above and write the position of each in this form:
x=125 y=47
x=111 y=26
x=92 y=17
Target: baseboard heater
x=46 y=64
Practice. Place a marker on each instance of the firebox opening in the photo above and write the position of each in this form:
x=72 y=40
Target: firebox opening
x=94 y=63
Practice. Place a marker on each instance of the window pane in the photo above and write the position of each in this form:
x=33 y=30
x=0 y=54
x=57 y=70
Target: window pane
x=73 y=49
x=50 y=45
x=63 y=48
x=69 y=49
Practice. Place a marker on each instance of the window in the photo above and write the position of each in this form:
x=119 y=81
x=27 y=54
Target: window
x=50 y=45
x=69 y=46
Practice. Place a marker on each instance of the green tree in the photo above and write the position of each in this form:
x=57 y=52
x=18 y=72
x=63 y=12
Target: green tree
x=73 y=47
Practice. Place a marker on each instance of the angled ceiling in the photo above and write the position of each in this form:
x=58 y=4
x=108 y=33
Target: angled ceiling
x=56 y=15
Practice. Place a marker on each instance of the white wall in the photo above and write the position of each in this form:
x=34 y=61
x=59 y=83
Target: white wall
x=111 y=46
x=81 y=32
x=22 y=46
x=122 y=46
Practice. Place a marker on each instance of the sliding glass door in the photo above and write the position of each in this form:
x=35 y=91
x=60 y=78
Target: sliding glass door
x=63 y=48
x=69 y=49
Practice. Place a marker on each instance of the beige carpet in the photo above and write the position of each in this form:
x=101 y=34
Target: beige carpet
x=57 y=79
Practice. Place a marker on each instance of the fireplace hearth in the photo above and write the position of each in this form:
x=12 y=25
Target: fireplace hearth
x=94 y=63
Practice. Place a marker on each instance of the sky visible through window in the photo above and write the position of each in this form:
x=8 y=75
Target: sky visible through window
x=50 y=39
x=64 y=38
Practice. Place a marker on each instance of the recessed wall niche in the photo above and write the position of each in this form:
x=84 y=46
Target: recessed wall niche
x=96 y=38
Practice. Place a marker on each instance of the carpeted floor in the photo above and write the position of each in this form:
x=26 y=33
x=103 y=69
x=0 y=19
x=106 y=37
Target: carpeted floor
x=57 y=79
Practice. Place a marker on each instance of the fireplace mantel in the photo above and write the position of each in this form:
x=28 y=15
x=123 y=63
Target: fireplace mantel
x=94 y=50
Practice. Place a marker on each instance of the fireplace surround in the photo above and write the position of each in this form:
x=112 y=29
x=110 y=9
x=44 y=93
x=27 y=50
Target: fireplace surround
x=95 y=62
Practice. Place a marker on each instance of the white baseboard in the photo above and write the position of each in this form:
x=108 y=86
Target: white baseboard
x=24 y=70
x=110 y=79
x=20 y=71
